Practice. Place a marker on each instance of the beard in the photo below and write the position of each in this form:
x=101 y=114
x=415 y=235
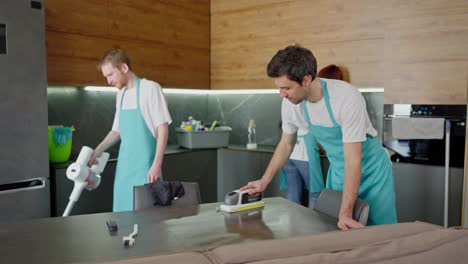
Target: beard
x=120 y=83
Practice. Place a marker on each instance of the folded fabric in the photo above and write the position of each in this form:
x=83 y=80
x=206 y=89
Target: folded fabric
x=418 y=128
x=165 y=192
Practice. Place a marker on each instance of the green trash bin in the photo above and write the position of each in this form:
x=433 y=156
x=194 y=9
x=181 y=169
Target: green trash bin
x=60 y=143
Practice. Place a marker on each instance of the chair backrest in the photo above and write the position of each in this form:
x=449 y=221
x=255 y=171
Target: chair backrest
x=142 y=198
x=329 y=203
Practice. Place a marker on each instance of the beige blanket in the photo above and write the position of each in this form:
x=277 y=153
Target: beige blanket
x=418 y=243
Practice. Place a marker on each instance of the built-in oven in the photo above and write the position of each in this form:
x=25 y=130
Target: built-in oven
x=426 y=151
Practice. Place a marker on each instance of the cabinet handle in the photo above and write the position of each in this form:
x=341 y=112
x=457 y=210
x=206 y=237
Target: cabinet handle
x=37 y=183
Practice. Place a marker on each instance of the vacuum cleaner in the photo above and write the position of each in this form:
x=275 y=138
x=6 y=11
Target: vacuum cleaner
x=237 y=201
x=84 y=176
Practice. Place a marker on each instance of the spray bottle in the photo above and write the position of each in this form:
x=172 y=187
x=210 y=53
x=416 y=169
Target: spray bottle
x=252 y=135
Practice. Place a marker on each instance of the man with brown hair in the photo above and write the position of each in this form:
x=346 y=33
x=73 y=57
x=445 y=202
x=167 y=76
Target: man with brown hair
x=335 y=114
x=301 y=176
x=141 y=124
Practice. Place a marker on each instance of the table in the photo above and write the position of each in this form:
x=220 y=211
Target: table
x=160 y=230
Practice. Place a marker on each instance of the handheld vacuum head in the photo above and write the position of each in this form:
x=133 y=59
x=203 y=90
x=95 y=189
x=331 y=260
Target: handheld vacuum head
x=84 y=176
x=236 y=201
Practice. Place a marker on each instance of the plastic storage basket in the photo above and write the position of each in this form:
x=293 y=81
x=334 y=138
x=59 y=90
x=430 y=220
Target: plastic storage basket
x=203 y=139
x=60 y=143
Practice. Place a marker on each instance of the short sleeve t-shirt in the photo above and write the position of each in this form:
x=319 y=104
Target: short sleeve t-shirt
x=153 y=105
x=300 y=151
x=348 y=107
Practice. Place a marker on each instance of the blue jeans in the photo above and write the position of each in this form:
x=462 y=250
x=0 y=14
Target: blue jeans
x=297 y=176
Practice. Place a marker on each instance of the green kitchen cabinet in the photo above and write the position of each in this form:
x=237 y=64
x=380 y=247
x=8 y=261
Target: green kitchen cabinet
x=191 y=166
x=420 y=193
x=237 y=167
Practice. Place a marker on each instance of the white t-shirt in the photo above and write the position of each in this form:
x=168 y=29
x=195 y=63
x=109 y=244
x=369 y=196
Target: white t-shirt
x=348 y=107
x=153 y=105
x=300 y=152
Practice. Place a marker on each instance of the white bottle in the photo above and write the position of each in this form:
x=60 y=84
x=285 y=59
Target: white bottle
x=252 y=133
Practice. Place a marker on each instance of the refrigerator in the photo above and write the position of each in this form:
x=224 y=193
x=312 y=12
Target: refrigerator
x=24 y=166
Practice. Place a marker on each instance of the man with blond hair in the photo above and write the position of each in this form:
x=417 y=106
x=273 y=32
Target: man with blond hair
x=141 y=124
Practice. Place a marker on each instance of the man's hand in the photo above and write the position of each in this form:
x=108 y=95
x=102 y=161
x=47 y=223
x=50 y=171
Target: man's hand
x=346 y=222
x=96 y=154
x=255 y=187
x=110 y=140
x=154 y=173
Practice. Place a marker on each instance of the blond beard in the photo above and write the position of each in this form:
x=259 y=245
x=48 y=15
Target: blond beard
x=121 y=84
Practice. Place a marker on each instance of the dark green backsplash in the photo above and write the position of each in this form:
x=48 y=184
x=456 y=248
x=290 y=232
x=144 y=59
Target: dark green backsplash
x=92 y=113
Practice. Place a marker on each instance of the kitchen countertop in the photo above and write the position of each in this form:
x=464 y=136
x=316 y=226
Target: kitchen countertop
x=176 y=149
x=260 y=148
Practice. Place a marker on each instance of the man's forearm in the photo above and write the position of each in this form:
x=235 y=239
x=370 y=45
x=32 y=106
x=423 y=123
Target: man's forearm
x=350 y=193
x=110 y=140
x=163 y=134
x=352 y=179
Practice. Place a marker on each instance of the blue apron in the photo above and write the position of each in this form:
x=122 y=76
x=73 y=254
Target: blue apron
x=136 y=154
x=376 y=186
x=316 y=183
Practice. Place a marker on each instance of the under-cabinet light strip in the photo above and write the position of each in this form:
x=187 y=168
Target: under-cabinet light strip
x=200 y=91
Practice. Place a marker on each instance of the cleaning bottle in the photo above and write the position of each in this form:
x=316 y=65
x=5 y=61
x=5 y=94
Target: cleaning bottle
x=252 y=133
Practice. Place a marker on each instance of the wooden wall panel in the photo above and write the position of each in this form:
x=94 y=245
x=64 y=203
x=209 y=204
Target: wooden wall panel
x=426 y=54
x=416 y=50
x=246 y=34
x=86 y=17
x=168 y=41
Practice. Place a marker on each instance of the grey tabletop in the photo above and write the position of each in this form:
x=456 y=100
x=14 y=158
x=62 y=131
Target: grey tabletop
x=160 y=230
